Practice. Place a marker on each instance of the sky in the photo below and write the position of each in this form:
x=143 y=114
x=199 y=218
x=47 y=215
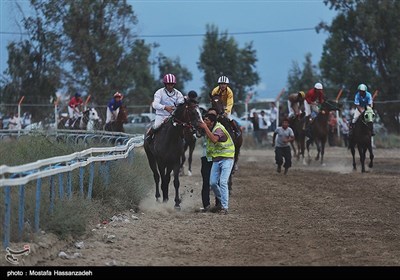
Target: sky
x=272 y=26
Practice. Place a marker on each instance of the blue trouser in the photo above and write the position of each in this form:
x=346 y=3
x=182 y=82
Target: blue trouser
x=219 y=177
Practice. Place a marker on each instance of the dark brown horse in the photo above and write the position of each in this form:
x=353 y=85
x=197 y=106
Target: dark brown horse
x=165 y=150
x=297 y=125
x=320 y=129
x=216 y=103
x=361 y=136
x=118 y=124
x=189 y=143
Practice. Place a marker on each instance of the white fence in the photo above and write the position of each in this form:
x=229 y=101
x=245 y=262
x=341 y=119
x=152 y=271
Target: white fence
x=12 y=176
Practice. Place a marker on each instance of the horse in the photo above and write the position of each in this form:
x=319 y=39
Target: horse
x=189 y=143
x=319 y=129
x=88 y=121
x=165 y=150
x=118 y=124
x=217 y=104
x=297 y=125
x=361 y=136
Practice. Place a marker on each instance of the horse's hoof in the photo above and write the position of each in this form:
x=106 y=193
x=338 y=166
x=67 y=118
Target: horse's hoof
x=177 y=207
x=189 y=173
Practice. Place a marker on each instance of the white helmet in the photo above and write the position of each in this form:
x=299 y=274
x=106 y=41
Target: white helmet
x=318 y=86
x=362 y=87
x=223 y=80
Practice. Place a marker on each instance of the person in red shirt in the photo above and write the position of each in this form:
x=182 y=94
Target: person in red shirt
x=75 y=107
x=314 y=97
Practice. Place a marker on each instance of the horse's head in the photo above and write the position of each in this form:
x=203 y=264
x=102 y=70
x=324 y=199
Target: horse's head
x=187 y=114
x=123 y=115
x=368 y=115
x=217 y=104
x=92 y=114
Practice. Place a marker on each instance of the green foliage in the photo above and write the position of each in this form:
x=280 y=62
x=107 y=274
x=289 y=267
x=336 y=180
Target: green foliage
x=303 y=79
x=220 y=55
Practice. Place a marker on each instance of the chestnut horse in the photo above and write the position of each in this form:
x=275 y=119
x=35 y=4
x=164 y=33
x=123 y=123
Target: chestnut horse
x=118 y=124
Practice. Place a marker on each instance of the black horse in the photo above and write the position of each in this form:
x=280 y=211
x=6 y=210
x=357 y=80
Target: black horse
x=217 y=104
x=319 y=129
x=361 y=136
x=118 y=124
x=189 y=143
x=165 y=150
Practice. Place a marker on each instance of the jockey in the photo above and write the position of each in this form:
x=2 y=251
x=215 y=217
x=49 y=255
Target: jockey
x=164 y=102
x=295 y=102
x=314 y=97
x=113 y=107
x=362 y=100
x=74 y=108
x=227 y=98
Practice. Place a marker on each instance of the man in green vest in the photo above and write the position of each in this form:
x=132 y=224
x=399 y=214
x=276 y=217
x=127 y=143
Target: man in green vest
x=221 y=148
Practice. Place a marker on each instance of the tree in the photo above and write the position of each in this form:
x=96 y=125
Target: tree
x=220 y=55
x=32 y=68
x=362 y=47
x=305 y=79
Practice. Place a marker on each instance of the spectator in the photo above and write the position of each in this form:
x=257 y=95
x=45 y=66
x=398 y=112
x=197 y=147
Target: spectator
x=344 y=130
x=284 y=135
x=273 y=116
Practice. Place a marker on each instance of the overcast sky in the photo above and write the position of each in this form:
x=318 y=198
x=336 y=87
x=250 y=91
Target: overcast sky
x=271 y=26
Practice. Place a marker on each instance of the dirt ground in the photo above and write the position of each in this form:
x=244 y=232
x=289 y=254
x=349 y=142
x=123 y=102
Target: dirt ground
x=313 y=216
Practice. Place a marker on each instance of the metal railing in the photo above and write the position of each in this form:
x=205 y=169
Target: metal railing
x=12 y=176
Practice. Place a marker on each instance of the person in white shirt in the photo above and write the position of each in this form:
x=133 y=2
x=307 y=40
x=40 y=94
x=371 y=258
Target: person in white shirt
x=165 y=101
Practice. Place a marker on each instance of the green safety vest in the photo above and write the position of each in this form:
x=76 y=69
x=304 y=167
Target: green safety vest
x=221 y=149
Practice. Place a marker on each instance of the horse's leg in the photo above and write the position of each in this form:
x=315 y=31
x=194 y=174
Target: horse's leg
x=183 y=159
x=165 y=178
x=371 y=156
x=302 y=148
x=361 y=152
x=176 y=185
x=153 y=167
x=230 y=183
x=353 y=153
x=318 y=144
x=294 y=149
x=323 y=151
x=190 y=159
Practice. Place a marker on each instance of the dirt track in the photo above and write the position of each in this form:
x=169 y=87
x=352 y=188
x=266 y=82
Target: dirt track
x=314 y=216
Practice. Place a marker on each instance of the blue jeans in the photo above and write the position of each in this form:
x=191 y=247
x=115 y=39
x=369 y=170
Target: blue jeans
x=220 y=172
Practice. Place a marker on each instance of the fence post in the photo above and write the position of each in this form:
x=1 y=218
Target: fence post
x=7 y=216
x=91 y=176
x=52 y=194
x=21 y=211
x=37 y=207
x=81 y=173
